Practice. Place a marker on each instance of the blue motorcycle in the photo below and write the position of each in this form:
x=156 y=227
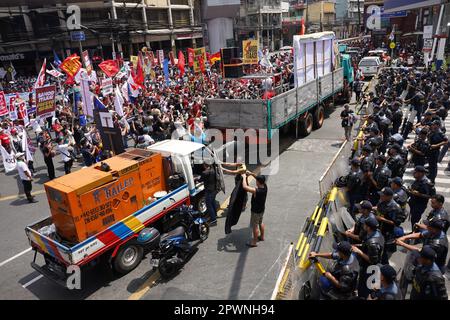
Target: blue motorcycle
x=171 y=250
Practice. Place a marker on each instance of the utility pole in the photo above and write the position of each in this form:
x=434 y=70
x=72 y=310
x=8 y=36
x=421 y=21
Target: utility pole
x=359 y=18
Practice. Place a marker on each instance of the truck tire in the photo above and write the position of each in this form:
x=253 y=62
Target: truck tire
x=319 y=117
x=305 y=125
x=128 y=258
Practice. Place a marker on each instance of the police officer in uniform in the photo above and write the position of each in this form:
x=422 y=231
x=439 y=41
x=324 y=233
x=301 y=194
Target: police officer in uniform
x=437 y=139
x=433 y=236
x=437 y=213
x=389 y=289
x=354 y=184
x=339 y=283
x=397 y=117
x=420 y=148
x=420 y=191
x=369 y=254
x=395 y=162
x=428 y=282
x=400 y=195
x=367 y=159
x=379 y=178
x=389 y=215
x=357 y=233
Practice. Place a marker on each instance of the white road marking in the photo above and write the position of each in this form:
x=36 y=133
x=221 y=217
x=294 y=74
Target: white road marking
x=29 y=283
x=14 y=257
x=437 y=181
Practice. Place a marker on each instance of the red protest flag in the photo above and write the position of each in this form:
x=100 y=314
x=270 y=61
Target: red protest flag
x=138 y=77
x=40 y=81
x=109 y=67
x=214 y=58
x=181 y=62
x=302 y=27
x=191 y=54
x=71 y=65
x=172 y=58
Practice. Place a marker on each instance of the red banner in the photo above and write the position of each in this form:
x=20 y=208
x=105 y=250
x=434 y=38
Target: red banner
x=191 y=54
x=109 y=67
x=87 y=62
x=3 y=107
x=71 y=65
x=45 y=101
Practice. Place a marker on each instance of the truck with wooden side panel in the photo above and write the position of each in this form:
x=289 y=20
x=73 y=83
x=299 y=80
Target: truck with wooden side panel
x=98 y=211
x=319 y=77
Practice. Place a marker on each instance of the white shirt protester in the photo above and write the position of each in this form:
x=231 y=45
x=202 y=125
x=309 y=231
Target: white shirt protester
x=65 y=153
x=22 y=168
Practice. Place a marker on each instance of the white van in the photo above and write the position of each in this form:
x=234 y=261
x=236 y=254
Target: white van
x=369 y=65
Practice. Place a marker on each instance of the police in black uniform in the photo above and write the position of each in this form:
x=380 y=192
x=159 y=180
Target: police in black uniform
x=389 y=215
x=420 y=191
x=400 y=195
x=354 y=184
x=389 y=289
x=339 y=283
x=367 y=159
x=428 y=282
x=432 y=236
x=397 y=117
x=420 y=148
x=369 y=254
x=379 y=178
x=357 y=233
x=395 y=162
x=437 y=139
x=437 y=213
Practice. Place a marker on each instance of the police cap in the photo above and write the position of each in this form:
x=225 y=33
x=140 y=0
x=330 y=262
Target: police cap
x=344 y=247
x=388 y=272
x=386 y=191
x=382 y=158
x=396 y=147
x=427 y=252
x=397 y=180
x=420 y=169
x=436 y=122
x=371 y=222
x=436 y=224
x=365 y=204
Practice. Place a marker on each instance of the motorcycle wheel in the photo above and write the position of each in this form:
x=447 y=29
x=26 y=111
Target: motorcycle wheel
x=167 y=269
x=203 y=231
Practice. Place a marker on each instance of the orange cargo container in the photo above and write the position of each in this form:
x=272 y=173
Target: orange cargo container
x=88 y=201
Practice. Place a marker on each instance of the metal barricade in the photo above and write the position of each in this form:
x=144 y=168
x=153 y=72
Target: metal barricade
x=284 y=287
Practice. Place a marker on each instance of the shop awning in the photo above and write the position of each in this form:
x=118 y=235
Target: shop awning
x=400 y=5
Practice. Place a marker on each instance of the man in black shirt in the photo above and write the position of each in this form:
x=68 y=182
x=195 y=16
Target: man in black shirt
x=210 y=182
x=258 y=205
x=347 y=117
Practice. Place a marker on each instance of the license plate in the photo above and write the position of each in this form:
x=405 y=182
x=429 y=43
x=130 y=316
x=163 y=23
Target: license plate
x=155 y=263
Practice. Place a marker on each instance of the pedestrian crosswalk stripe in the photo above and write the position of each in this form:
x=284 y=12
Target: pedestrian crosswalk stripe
x=437 y=181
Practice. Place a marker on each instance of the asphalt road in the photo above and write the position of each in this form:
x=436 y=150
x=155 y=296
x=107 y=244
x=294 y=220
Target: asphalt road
x=223 y=268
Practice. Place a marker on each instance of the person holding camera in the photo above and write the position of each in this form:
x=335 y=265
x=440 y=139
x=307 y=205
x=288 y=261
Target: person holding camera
x=65 y=150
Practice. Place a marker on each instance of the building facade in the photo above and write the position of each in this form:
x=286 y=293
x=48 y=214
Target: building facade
x=260 y=19
x=33 y=29
x=292 y=20
x=349 y=21
x=320 y=15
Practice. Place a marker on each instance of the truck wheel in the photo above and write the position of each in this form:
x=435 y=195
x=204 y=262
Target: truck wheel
x=305 y=126
x=319 y=117
x=128 y=257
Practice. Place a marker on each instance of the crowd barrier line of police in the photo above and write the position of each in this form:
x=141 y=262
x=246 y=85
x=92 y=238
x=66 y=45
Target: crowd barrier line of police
x=297 y=280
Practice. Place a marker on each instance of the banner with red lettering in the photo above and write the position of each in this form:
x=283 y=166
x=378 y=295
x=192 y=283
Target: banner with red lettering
x=191 y=54
x=87 y=62
x=45 y=101
x=3 y=106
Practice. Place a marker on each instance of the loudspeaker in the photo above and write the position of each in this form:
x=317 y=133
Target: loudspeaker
x=228 y=54
x=233 y=71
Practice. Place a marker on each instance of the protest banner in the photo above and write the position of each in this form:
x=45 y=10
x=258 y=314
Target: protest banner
x=3 y=106
x=199 y=59
x=107 y=86
x=250 y=51
x=45 y=101
x=87 y=62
